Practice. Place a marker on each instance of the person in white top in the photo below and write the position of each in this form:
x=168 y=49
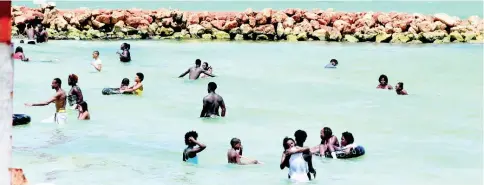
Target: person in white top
x=298 y=167
x=97 y=63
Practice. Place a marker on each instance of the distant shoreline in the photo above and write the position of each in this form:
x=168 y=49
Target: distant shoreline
x=265 y=25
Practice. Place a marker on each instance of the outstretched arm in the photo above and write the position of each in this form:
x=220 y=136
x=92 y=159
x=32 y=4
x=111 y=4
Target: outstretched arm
x=185 y=73
x=137 y=86
x=208 y=74
x=44 y=103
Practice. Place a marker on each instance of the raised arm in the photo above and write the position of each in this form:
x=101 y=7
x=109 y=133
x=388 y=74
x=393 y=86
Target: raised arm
x=200 y=147
x=185 y=73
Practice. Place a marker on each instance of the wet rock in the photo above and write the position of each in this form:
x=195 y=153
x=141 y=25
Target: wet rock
x=196 y=31
x=239 y=37
x=436 y=35
x=303 y=36
x=350 y=39
x=164 y=31
x=468 y=36
x=207 y=36
x=262 y=37
x=321 y=34
x=456 y=37
x=221 y=35
x=291 y=38
x=383 y=37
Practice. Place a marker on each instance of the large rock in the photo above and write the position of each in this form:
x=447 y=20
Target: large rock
x=117 y=16
x=267 y=29
x=350 y=39
x=221 y=35
x=303 y=36
x=239 y=37
x=105 y=19
x=164 y=31
x=436 y=35
x=321 y=34
x=446 y=19
x=334 y=35
x=383 y=37
x=468 y=36
x=289 y=23
x=456 y=37
x=262 y=37
x=280 y=30
x=196 y=30
x=118 y=26
x=207 y=36
x=246 y=29
x=291 y=38
x=399 y=38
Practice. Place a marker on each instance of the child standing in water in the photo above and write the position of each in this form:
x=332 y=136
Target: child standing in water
x=190 y=153
x=19 y=54
x=399 y=89
x=383 y=79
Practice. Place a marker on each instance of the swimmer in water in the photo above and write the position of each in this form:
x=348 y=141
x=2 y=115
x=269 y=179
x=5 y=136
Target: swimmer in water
x=399 y=89
x=41 y=34
x=124 y=84
x=96 y=62
x=83 y=111
x=234 y=155
x=137 y=88
x=59 y=99
x=300 y=136
x=298 y=167
x=329 y=143
x=19 y=54
x=190 y=153
x=207 y=68
x=195 y=71
x=30 y=33
x=348 y=145
x=74 y=96
x=383 y=79
x=124 y=55
x=212 y=102
x=332 y=64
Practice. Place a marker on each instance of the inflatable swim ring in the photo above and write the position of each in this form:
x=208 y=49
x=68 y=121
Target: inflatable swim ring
x=110 y=91
x=20 y=119
x=356 y=152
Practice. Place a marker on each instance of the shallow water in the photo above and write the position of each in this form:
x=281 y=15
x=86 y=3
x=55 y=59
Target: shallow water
x=458 y=8
x=272 y=89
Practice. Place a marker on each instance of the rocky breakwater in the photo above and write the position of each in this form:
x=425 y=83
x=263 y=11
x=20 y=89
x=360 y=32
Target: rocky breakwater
x=268 y=24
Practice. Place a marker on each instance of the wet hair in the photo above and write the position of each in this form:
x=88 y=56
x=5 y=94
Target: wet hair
x=74 y=79
x=400 y=84
x=190 y=134
x=234 y=141
x=206 y=64
x=83 y=105
x=284 y=142
x=97 y=52
x=327 y=132
x=335 y=62
x=212 y=86
x=19 y=49
x=384 y=77
x=141 y=76
x=126 y=46
x=300 y=136
x=198 y=62
x=21 y=41
x=348 y=137
x=125 y=81
x=58 y=81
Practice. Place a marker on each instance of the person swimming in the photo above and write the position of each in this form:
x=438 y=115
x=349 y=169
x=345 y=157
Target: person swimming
x=332 y=64
x=234 y=155
x=207 y=68
x=124 y=84
x=195 y=71
x=298 y=167
x=83 y=111
x=191 y=151
x=399 y=89
x=124 y=55
x=212 y=102
x=74 y=96
x=137 y=88
x=19 y=54
x=41 y=34
x=328 y=144
x=348 y=146
x=383 y=80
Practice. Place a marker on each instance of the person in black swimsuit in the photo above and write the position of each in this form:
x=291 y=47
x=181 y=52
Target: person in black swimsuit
x=75 y=94
x=125 y=55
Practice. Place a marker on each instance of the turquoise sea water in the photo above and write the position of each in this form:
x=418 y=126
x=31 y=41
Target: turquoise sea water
x=461 y=9
x=433 y=136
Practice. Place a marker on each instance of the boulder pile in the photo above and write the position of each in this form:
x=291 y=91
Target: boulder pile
x=268 y=24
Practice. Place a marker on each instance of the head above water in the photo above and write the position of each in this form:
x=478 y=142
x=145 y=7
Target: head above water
x=205 y=66
x=347 y=138
x=399 y=86
x=29 y=26
x=383 y=79
x=125 y=82
x=288 y=143
x=19 y=49
x=125 y=46
x=82 y=107
x=198 y=62
x=95 y=54
x=72 y=79
x=56 y=83
x=334 y=62
x=212 y=86
x=300 y=136
x=326 y=133
x=235 y=143
x=139 y=77
x=188 y=135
